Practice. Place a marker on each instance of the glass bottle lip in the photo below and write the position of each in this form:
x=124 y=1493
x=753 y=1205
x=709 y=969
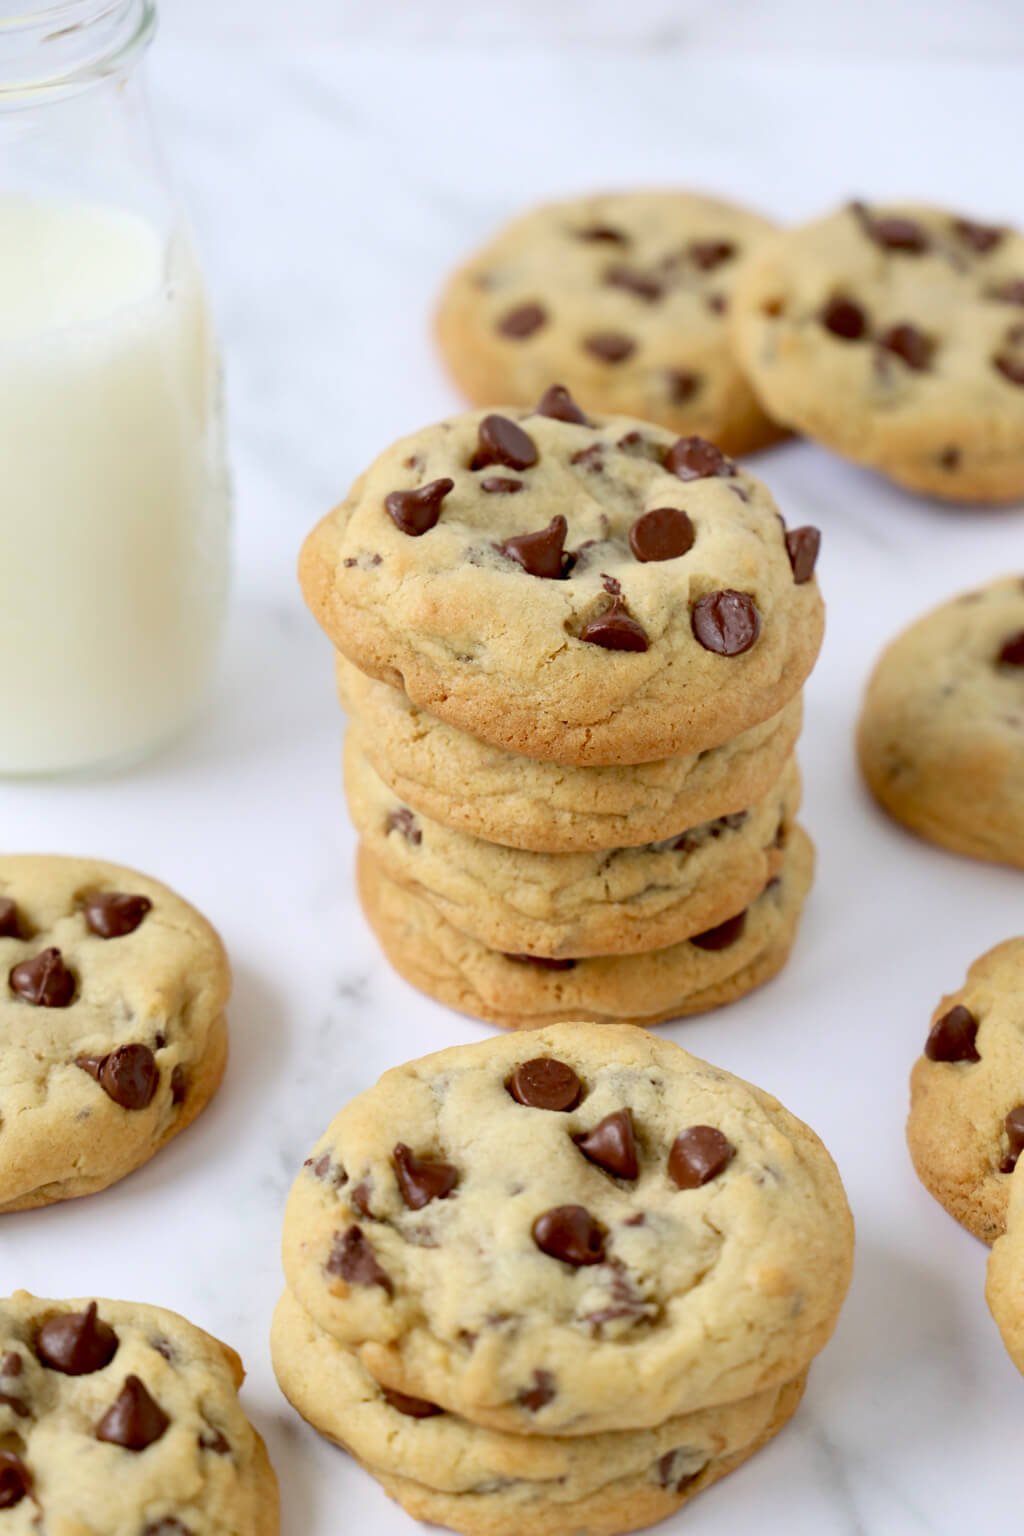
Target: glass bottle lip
x=66 y=45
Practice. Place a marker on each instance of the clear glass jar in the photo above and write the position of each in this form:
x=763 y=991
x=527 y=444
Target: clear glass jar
x=114 y=502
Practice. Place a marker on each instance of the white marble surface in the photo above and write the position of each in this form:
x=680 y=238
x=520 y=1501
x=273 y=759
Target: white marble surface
x=332 y=186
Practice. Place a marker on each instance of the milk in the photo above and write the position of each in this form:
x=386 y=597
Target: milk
x=113 y=498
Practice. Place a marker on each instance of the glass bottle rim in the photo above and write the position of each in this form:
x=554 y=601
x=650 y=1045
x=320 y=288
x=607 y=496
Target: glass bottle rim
x=66 y=45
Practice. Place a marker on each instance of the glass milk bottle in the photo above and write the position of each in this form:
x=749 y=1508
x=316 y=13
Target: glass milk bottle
x=113 y=489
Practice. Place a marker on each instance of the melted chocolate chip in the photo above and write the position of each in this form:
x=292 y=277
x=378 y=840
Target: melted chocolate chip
x=179 y=1086
x=1011 y=652
x=909 y=344
x=113 y=914
x=360 y=1198
x=981 y=238
x=352 y=1258
x=76 y=1343
x=570 y=1233
x=523 y=321
x=557 y=403
x=698 y=1155
x=405 y=824
x=1014 y=1127
x=545 y=1083
x=421 y=1180
x=844 y=318
x=664 y=533
x=681 y=385
x=723 y=934
x=591 y=458
x=638 y=446
x=10 y=1365
x=15 y=1404
x=694 y=458
x=134 y=1421
x=501 y=485
x=616 y=630
x=1011 y=368
x=609 y=346
x=634 y=281
x=15 y=1480
x=44 y=981
x=411 y=1407
x=612 y=1145
x=9 y=926
x=802 y=547
x=213 y=1440
x=540 y=1394
x=952 y=1037
x=129 y=1075
x=709 y=254
x=542 y=553
x=605 y=234
x=416 y=512
x=726 y=623
x=717 y=303
x=501 y=441
x=892 y=232
x=1010 y=292
x=543 y=962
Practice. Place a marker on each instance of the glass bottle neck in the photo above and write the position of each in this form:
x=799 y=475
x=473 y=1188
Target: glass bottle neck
x=53 y=48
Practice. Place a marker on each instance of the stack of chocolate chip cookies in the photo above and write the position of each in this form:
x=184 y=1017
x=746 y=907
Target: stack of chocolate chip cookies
x=572 y=648
x=558 y=1282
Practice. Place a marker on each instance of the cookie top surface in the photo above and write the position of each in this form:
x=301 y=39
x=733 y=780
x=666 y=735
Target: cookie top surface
x=966 y=1126
x=1004 y=1288
x=895 y=335
x=519 y=1229
x=942 y=729
x=586 y=591
x=124 y=1418
x=110 y=987
x=625 y=297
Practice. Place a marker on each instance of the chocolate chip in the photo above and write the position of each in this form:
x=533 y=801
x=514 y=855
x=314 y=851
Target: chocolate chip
x=15 y=1404
x=501 y=485
x=405 y=824
x=540 y=1394
x=612 y=1145
x=542 y=553
x=411 y=1407
x=15 y=1480
x=1014 y=1127
x=708 y=254
x=134 y=1421
x=500 y=441
x=44 y=981
x=1011 y=652
x=844 y=318
x=129 y=1075
x=893 y=233
x=698 y=1155
x=10 y=1364
x=664 y=533
x=179 y=1085
x=9 y=926
x=416 y=512
x=523 y=321
x=616 y=630
x=642 y=284
x=545 y=1083
x=113 y=914
x=352 y=1258
x=681 y=385
x=639 y=446
x=908 y=343
x=980 y=237
x=726 y=623
x=570 y=1233
x=543 y=962
x=802 y=546
x=609 y=346
x=717 y=303
x=949 y=458
x=672 y=1469
x=1011 y=368
x=952 y=1037
x=360 y=1197
x=723 y=934
x=421 y=1180
x=1010 y=292
x=213 y=1440
x=76 y=1343
x=605 y=234
x=694 y=458
x=557 y=403
x=591 y=458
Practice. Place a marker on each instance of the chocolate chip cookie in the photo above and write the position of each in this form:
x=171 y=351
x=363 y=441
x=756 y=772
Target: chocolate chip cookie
x=112 y=1029
x=447 y=1471
x=895 y=336
x=941 y=736
x=519 y=991
x=1005 y=1286
x=625 y=297
x=559 y=905
x=124 y=1418
x=966 y=1126
x=548 y=807
x=581 y=589
x=572 y=1231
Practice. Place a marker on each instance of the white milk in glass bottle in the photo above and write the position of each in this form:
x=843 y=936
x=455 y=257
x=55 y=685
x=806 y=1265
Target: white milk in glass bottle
x=113 y=492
